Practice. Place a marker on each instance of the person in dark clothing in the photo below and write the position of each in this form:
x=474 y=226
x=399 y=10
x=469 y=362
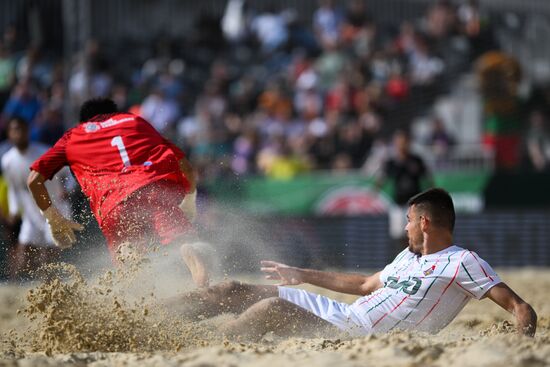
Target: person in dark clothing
x=407 y=172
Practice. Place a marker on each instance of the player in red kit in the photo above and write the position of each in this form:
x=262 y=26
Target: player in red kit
x=139 y=184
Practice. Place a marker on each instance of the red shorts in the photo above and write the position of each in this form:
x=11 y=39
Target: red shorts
x=149 y=215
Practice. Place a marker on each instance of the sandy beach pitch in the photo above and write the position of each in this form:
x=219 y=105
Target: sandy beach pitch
x=482 y=335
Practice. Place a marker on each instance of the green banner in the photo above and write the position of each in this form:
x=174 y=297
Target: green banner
x=336 y=194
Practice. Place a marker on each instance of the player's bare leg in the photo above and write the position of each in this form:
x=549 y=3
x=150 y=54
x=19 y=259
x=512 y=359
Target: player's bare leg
x=226 y=297
x=260 y=309
x=196 y=264
x=276 y=315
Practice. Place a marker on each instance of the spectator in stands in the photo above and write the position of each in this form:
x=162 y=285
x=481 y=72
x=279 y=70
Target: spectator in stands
x=12 y=40
x=192 y=130
x=245 y=148
x=308 y=100
x=439 y=140
x=440 y=20
x=342 y=163
x=213 y=99
x=469 y=16
x=235 y=21
x=477 y=27
x=56 y=97
x=243 y=94
x=48 y=127
x=100 y=79
x=397 y=86
x=33 y=66
x=360 y=35
x=270 y=29
x=7 y=74
x=351 y=75
x=322 y=146
x=35 y=243
x=357 y=19
x=338 y=97
x=405 y=41
x=9 y=230
x=23 y=102
x=90 y=76
x=285 y=160
x=408 y=174
x=330 y=65
x=327 y=22
x=351 y=72
x=353 y=142
x=161 y=111
x=424 y=67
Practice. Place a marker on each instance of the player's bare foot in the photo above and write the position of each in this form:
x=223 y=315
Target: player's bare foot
x=195 y=264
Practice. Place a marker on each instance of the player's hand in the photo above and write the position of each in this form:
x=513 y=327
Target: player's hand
x=189 y=206
x=62 y=228
x=287 y=275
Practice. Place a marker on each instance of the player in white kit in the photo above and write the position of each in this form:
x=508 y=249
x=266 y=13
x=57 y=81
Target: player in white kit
x=423 y=289
x=35 y=243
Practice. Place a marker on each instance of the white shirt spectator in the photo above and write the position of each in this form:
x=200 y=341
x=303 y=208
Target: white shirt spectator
x=424 y=68
x=161 y=112
x=271 y=30
x=15 y=168
x=234 y=21
x=327 y=22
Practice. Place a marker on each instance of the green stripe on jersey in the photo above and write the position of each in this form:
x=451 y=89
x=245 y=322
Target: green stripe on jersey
x=378 y=304
x=425 y=293
x=472 y=279
x=400 y=256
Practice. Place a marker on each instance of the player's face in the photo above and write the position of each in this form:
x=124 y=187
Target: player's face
x=401 y=142
x=414 y=232
x=18 y=134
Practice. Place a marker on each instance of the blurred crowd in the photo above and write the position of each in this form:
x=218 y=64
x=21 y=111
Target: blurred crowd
x=261 y=92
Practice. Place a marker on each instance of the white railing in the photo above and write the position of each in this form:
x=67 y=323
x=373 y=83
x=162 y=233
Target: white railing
x=463 y=157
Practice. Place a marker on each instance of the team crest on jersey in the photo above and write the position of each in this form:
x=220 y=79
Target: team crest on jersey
x=429 y=271
x=91 y=127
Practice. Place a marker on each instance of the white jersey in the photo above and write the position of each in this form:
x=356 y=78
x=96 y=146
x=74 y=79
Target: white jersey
x=422 y=293
x=15 y=169
x=425 y=293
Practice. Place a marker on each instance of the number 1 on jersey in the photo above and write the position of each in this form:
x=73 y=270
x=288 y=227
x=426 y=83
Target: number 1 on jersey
x=117 y=142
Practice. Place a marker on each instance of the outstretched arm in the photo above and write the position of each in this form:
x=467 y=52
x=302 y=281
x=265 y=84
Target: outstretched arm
x=189 y=173
x=505 y=297
x=38 y=190
x=350 y=283
x=189 y=203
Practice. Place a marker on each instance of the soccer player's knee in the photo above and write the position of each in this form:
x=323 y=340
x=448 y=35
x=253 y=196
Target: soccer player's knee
x=230 y=287
x=271 y=304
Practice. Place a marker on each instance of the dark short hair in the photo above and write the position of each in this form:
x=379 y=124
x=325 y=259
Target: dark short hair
x=18 y=120
x=97 y=106
x=437 y=203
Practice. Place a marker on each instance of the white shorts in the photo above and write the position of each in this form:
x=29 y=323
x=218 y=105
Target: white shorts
x=337 y=313
x=32 y=235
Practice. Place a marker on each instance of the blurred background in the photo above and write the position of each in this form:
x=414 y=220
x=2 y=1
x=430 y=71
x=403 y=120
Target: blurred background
x=291 y=111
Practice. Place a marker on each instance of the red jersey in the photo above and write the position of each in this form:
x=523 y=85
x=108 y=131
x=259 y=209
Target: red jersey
x=112 y=156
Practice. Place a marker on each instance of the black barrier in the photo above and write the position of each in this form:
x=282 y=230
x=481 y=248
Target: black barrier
x=525 y=190
x=503 y=238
